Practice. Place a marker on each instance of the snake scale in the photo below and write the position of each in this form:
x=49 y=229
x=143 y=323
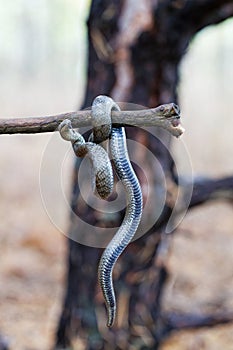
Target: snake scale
x=130 y=223
x=101 y=169
x=102 y=183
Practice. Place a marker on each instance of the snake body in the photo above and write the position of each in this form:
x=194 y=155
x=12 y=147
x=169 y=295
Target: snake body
x=101 y=116
x=103 y=185
x=130 y=223
x=101 y=169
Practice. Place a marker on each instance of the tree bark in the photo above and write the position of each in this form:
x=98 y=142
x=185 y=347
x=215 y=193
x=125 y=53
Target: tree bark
x=134 y=53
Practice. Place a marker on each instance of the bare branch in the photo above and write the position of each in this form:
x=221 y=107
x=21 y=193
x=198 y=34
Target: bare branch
x=177 y=321
x=205 y=12
x=211 y=189
x=146 y=117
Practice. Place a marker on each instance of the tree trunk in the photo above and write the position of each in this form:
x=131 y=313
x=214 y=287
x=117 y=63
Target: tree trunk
x=134 y=53
x=3 y=343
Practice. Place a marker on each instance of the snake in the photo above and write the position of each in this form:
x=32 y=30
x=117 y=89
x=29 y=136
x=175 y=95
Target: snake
x=130 y=223
x=126 y=174
x=102 y=129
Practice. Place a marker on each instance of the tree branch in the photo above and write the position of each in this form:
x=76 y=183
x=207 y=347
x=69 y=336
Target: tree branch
x=206 y=12
x=177 y=321
x=211 y=189
x=146 y=117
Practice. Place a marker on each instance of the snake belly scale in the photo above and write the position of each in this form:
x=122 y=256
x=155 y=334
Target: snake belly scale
x=130 y=223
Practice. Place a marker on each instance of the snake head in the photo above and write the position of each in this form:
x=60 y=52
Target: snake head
x=170 y=116
x=68 y=133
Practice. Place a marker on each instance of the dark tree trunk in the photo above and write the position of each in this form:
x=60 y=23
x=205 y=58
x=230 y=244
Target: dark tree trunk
x=134 y=53
x=3 y=343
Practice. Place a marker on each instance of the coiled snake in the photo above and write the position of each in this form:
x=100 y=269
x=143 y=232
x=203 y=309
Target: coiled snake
x=103 y=184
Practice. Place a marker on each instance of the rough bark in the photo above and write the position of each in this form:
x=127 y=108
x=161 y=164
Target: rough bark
x=135 y=48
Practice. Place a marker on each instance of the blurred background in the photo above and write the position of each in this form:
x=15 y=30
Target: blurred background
x=43 y=72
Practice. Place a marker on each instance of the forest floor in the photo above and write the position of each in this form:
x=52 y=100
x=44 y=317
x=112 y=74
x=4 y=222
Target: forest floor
x=201 y=279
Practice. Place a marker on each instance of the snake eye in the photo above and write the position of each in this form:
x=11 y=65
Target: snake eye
x=162 y=108
x=176 y=109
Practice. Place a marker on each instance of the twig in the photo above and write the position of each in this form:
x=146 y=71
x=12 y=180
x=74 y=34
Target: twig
x=165 y=116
